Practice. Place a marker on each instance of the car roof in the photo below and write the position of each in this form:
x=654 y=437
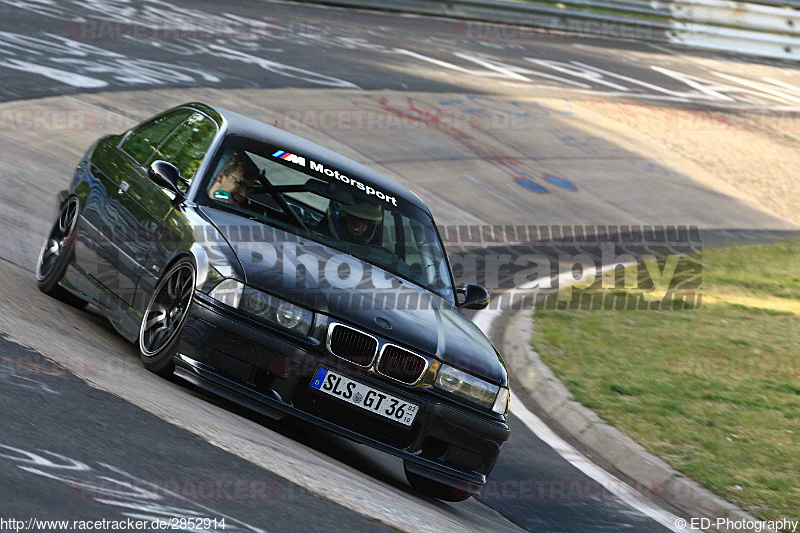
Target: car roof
x=254 y=129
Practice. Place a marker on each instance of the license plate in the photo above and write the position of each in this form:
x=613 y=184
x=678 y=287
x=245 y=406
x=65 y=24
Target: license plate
x=364 y=396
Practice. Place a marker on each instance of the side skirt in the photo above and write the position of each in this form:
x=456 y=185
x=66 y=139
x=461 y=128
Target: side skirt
x=123 y=318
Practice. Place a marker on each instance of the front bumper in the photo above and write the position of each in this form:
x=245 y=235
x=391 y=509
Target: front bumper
x=270 y=373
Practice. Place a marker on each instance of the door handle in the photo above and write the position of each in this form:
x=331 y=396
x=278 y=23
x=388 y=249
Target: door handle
x=123 y=187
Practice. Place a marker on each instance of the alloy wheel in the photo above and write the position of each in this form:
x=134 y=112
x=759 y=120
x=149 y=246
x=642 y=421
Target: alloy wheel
x=56 y=245
x=167 y=310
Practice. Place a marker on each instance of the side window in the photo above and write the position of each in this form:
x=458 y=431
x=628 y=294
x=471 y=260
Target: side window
x=141 y=144
x=188 y=145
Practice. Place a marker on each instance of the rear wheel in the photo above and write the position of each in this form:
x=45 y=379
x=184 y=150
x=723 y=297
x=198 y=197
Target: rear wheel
x=437 y=490
x=57 y=253
x=165 y=316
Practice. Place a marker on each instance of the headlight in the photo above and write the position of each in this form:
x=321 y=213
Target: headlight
x=262 y=305
x=501 y=403
x=288 y=315
x=468 y=387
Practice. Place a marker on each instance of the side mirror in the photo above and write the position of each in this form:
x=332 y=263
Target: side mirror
x=167 y=176
x=475 y=297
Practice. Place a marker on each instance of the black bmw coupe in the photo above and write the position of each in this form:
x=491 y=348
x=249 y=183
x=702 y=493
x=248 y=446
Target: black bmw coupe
x=288 y=278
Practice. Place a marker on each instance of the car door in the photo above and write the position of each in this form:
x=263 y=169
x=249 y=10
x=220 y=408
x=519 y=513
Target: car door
x=112 y=170
x=127 y=226
x=152 y=208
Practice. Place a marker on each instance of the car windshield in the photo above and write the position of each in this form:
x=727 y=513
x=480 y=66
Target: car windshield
x=296 y=193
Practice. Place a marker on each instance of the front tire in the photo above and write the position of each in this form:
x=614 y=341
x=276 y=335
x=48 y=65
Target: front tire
x=434 y=489
x=165 y=316
x=57 y=253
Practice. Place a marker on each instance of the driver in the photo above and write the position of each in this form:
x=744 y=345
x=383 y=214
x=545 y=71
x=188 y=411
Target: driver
x=358 y=223
x=235 y=181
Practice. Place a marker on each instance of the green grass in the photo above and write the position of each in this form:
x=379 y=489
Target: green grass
x=715 y=391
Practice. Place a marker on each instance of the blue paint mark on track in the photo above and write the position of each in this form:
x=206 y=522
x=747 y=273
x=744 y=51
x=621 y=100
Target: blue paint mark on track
x=530 y=185
x=561 y=182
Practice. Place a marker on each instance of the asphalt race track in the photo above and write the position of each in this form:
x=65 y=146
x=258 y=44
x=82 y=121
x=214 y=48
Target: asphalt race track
x=87 y=433
x=96 y=46
x=96 y=458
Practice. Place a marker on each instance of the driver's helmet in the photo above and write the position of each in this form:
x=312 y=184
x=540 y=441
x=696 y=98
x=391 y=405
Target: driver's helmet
x=357 y=223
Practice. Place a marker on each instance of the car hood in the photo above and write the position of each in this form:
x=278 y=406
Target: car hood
x=358 y=293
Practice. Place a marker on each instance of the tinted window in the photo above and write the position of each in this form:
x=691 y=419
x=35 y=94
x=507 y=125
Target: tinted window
x=141 y=144
x=187 y=146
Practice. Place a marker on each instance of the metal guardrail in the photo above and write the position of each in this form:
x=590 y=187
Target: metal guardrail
x=740 y=15
x=794 y=4
x=723 y=25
